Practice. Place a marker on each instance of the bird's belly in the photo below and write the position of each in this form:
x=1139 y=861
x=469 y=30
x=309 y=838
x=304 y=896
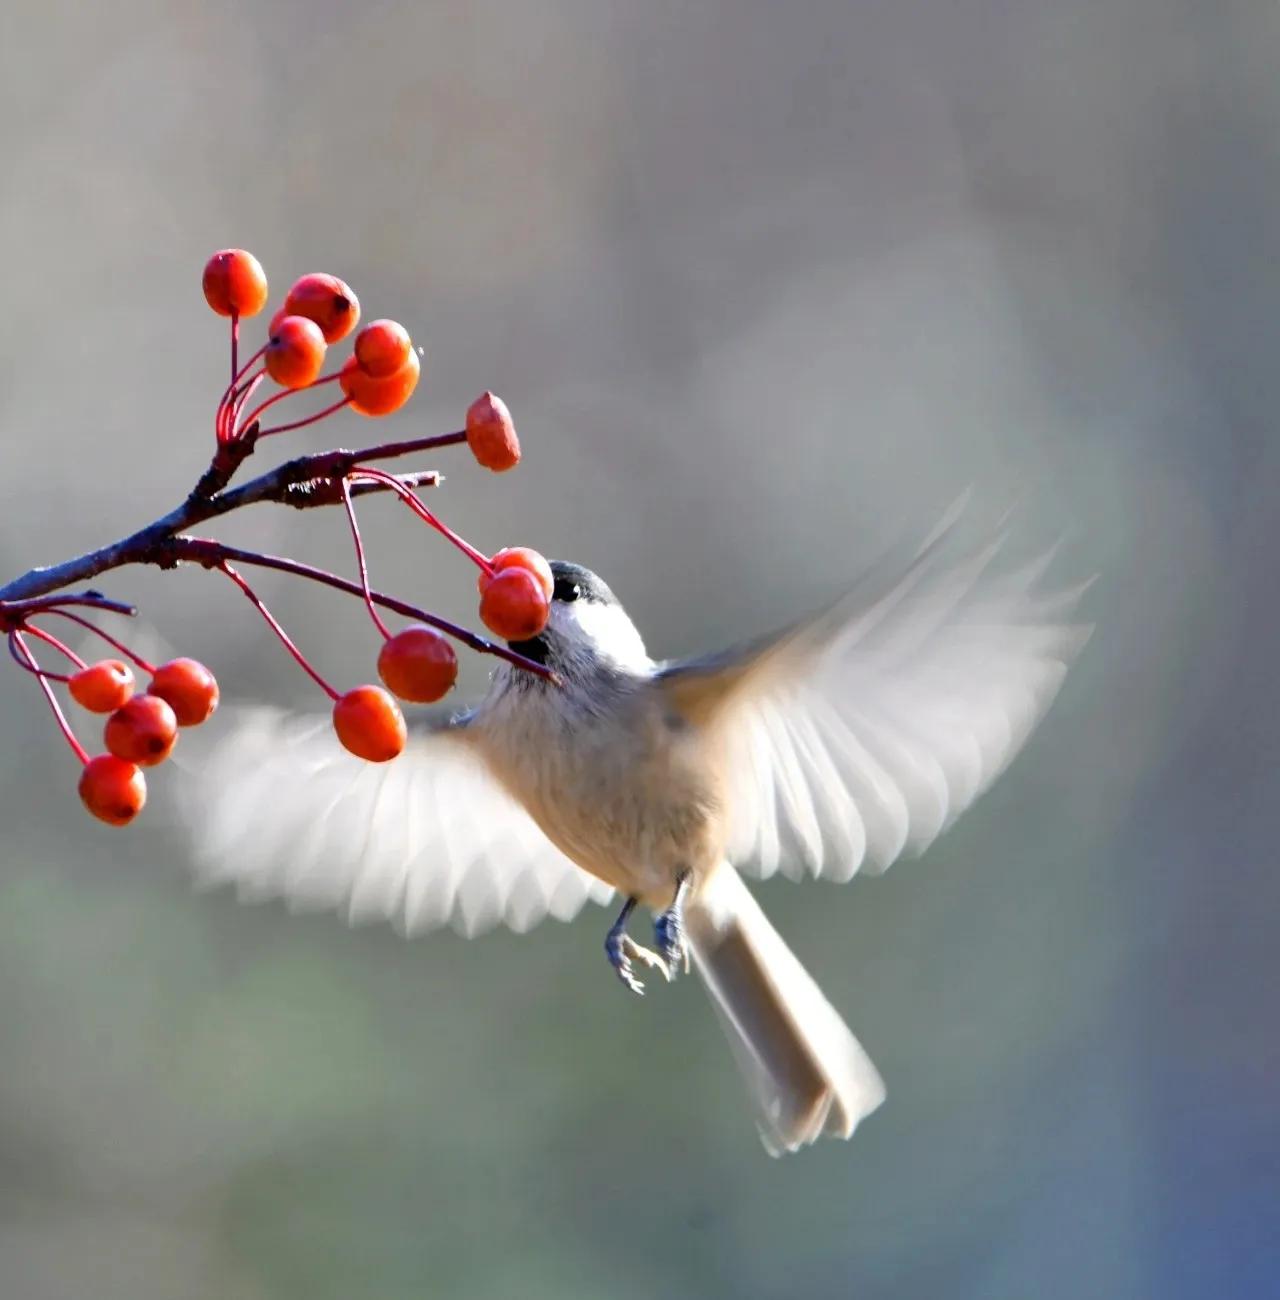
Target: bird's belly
x=636 y=816
x=637 y=844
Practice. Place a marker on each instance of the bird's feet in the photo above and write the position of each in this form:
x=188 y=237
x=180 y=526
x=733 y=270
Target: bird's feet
x=668 y=931
x=621 y=950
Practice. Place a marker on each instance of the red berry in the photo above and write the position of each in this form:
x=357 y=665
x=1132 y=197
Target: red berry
x=491 y=434
x=112 y=789
x=102 y=687
x=188 y=688
x=520 y=557
x=418 y=664
x=379 y=395
x=382 y=347
x=326 y=300
x=369 y=723
x=295 y=353
x=235 y=283
x=142 y=731
x=513 y=605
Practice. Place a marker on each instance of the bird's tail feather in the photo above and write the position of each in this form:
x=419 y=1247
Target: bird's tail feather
x=807 y=1073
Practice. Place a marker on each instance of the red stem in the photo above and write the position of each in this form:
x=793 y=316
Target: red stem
x=289 y=392
x=52 y=640
x=360 y=560
x=15 y=639
x=311 y=419
x=278 y=630
x=228 y=399
x=108 y=638
x=211 y=554
x=27 y=668
x=233 y=417
x=414 y=503
x=222 y=417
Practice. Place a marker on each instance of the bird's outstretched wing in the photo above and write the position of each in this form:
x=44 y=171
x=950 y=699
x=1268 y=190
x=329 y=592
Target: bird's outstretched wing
x=864 y=732
x=277 y=808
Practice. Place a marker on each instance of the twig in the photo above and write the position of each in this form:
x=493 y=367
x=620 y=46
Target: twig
x=13 y=613
x=306 y=480
x=211 y=554
x=314 y=480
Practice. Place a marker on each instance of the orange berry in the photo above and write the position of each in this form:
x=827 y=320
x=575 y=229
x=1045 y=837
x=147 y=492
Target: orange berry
x=235 y=283
x=418 y=664
x=382 y=347
x=142 y=731
x=520 y=557
x=112 y=789
x=369 y=723
x=491 y=434
x=326 y=300
x=295 y=353
x=378 y=395
x=102 y=687
x=513 y=605
x=188 y=688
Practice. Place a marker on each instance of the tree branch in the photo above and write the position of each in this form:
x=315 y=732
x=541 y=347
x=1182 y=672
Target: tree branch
x=305 y=481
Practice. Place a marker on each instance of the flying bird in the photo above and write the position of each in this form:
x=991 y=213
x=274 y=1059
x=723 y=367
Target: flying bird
x=835 y=746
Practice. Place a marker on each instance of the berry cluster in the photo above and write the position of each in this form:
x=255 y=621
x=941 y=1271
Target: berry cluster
x=141 y=728
x=416 y=664
x=378 y=378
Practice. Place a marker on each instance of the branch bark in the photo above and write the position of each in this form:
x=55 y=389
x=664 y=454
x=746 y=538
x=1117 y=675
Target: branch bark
x=304 y=482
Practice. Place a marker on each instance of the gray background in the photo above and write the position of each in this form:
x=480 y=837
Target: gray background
x=766 y=286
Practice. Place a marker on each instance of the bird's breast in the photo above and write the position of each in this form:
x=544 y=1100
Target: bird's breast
x=622 y=791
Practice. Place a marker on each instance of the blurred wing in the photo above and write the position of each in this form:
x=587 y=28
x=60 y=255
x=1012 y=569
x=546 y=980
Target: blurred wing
x=279 y=809
x=864 y=732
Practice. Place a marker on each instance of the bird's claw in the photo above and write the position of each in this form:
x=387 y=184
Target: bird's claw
x=622 y=950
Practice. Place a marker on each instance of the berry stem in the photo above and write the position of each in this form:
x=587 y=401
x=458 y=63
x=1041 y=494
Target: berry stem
x=27 y=668
x=212 y=554
x=49 y=639
x=239 y=403
x=411 y=499
x=18 y=645
x=285 y=640
x=310 y=419
x=108 y=638
x=289 y=392
x=361 y=562
x=228 y=399
x=235 y=346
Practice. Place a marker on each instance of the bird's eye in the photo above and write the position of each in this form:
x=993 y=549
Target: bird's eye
x=567 y=590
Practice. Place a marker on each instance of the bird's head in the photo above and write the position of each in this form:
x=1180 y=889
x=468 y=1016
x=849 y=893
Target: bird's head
x=588 y=629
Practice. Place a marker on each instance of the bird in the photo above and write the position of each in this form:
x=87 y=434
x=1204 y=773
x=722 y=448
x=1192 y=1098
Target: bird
x=831 y=747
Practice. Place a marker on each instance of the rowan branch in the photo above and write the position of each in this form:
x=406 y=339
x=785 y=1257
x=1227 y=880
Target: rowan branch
x=305 y=481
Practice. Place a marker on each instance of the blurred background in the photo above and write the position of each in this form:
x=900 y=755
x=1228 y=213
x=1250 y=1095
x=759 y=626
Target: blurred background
x=766 y=287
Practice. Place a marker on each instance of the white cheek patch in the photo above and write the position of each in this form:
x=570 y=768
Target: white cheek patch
x=609 y=631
